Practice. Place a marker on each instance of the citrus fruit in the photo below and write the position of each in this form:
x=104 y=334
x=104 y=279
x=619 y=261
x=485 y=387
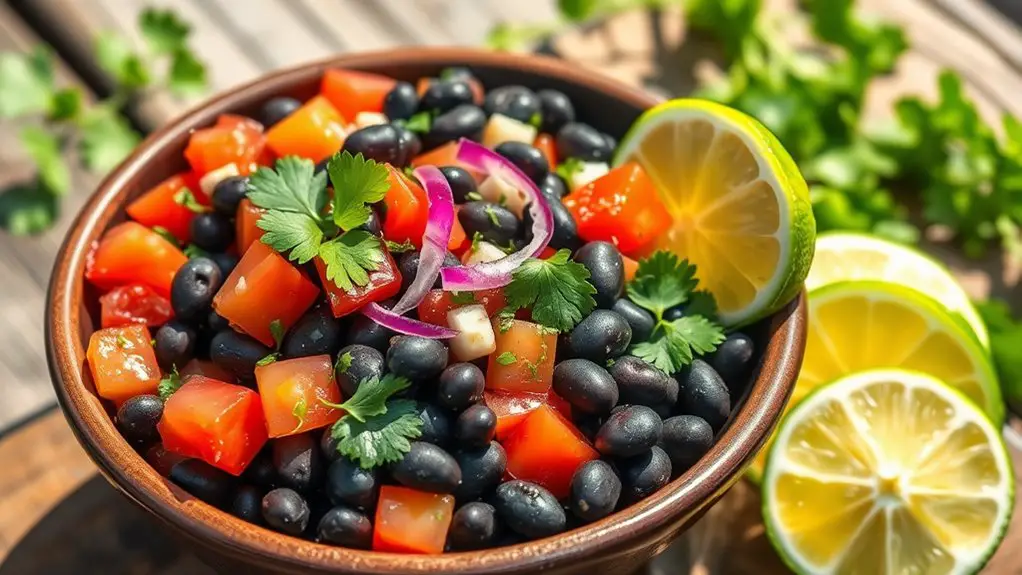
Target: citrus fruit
x=740 y=206
x=849 y=256
x=887 y=471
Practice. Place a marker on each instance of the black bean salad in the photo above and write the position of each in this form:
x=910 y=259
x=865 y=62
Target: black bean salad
x=410 y=318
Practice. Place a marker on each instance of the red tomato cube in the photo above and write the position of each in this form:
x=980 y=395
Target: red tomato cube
x=157 y=207
x=384 y=283
x=546 y=449
x=434 y=307
x=407 y=209
x=410 y=521
x=512 y=408
x=131 y=253
x=247 y=232
x=524 y=359
x=292 y=392
x=233 y=140
x=314 y=131
x=122 y=362
x=136 y=303
x=545 y=143
x=631 y=268
x=264 y=287
x=219 y=423
x=352 y=92
x=621 y=207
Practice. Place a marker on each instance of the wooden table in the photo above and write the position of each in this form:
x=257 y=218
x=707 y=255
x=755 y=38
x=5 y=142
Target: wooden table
x=58 y=516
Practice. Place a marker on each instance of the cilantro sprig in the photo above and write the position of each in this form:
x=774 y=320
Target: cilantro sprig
x=556 y=289
x=277 y=333
x=169 y=384
x=664 y=281
x=376 y=428
x=303 y=222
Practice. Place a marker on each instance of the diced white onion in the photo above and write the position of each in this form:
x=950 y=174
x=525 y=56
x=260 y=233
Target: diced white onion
x=364 y=119
x=210 y=180
x=590 y=171
x=483 y=252
x=475 y=337
x=496 y=190
x=500 y=128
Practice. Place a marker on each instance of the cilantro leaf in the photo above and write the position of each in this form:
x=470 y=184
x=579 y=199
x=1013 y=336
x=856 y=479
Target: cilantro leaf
x=187 y=74
x=356 y=182
x=169 y=384
x=116 y=57
x=45 y=150
x=678 y=341
x=292 y=186
x=370 y=399
x=381 y=439
x=66 y=104
x=462 y=297
x=165 y=234
x=662 y=281
x=419 y=123
x=268 y=359
x=106 y=138
x=350 y=257
x=343 y=363
x=277 y=332
x=569 y=167
x=287 y=232
x=399 y=248
x=194 y=251
x=186 y=198
x=702 y=302
x=300 y=411
x=506 y=358
x=162 y=30
x=27 y=209
x=557 y=290
x=26 y=82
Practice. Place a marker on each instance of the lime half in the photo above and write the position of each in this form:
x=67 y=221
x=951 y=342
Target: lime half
x=887 y=472
x=740 y=206
x=844 y=256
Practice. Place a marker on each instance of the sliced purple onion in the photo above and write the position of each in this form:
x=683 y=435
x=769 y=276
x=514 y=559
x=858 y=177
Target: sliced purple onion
x=497 y=273
x=439 y=224
x=405 y=325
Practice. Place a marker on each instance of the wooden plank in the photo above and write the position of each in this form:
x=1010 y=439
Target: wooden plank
x=989 y=26
x=337 y=17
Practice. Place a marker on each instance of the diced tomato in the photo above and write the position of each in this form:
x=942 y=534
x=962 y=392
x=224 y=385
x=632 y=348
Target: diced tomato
x=264 y=287
x=161 y=459
x=314 y=131
x=292 y=393
x=384 y=283
x=631 y=268
x=459 y=239
x=411 y=521
x=532 y=349
x=547 y=253
x=137 y=303
x=207 y=369
x=445 y=155
x=407 y=209
x=545 y=143
x=247 y=232
x=511 y=408
x=219 y=423
x=131 y=253
x=622 y=207
x=158 y=208
x=546 y=449
x=352 y=92
x=122 y=362
x=559 y=404
x=434 y=307
x=233 y=140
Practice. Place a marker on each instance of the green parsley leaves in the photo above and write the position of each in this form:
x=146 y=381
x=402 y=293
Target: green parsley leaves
x=169 y=384
x=556 y=289
x=295 y=199
x=674 y=344
x=662 y=282
x=568 y=168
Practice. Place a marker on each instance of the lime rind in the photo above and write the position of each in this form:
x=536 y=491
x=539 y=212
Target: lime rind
x=836 y=390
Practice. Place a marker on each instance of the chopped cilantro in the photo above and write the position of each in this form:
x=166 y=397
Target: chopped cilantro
x=194 y=251
x=268 y=359
x=462 y=297
x=277 y=332
x=169 y=384
x=123 y=342
x=356 y=182
x=473 y=196
x=420 y=122
x=536 y=120
x=505 y=319
x=569 y=167
x=556 y=289
x=343 y=363
x=673 y=346
x=370 y=399
x=506 y=358
x=662 y=281
x=185 y=197
x=165 y=234
x=350 y=257
x=300 y=411
x=375 y=429
x=399 y=248
x=492 y=214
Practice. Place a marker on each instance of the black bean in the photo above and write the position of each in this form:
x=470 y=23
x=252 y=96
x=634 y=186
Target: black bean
x=227 y=195
x=328 y=443
x=457 y=73
x=427 y=467
x=286 y=511
x=299 y=462
x=437 y=427
x=174 y=345
x=317 y=332
x=193 y=288
x=673 y=313
x=205 y=482
x=409 y=145
x=481 y=470
x=595 y=490
x=640 y=320
x=401 y=102
x=644 y=474
x=517 y=102
x=347 y=483
x=495 y=223
x=216 y=322
x=365 y=331
x=378 y=142
x=443 y=95
x=629 y=431
x=586 y=386
x=276 y=109
x=212 y=231
x=460 y=385
x=702 y=392
x=588 y=424
x=408 y=265
x=345 y=527
x=685 y=439
x=462 y=183
x=226 y=261
x=529 y=509
x=600 y=336
x=733 y=360
x=137 y=418
x=553 y=187
x=475 y=427
x=236 y=352
x=464 y=121
x=373 y=225
x=556 y=110
x=474 y=526
x=527 y=158
x=582 y=141
x=417 y=358
x=357 y=363
x=565 y=228
x=607 y=271
x=247 y=504
x=641 y=383
x=260 y=470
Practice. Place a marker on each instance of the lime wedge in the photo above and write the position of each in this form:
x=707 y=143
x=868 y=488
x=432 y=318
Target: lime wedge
x=740 y=206
x=885 y=472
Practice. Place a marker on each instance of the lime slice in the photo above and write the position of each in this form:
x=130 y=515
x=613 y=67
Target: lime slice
x=844 y=256
x=859 y=325
x=887 y=471
x=740 y=206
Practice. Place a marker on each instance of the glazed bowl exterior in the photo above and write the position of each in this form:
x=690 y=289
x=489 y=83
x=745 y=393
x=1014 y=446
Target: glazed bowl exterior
x=621 y=543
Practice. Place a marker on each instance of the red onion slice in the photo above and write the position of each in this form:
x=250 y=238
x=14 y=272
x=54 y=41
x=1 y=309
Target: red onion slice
x=497 y=273
x=406 y=325
x=439 y=224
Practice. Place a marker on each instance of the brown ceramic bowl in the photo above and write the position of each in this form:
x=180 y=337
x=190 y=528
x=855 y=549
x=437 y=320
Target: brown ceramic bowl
x=618 y=544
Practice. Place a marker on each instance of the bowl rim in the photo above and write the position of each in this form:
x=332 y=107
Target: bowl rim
x=656 y=519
